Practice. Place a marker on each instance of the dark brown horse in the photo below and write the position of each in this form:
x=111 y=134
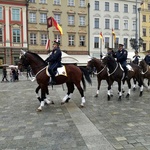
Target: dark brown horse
x=101 y=71
x=74 y=75
x=116 y=73
x=145 y=70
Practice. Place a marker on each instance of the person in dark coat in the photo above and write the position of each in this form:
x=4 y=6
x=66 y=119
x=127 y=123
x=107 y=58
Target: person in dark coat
x=54 y=61
x=121 y=56
x=136 y=58
x=147 y=58
x=4 y=74
x=110 y=52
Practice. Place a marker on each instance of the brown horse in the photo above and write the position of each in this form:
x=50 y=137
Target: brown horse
x=116 y=73
x=101 y=71
x=74 y=75
x=145 y=70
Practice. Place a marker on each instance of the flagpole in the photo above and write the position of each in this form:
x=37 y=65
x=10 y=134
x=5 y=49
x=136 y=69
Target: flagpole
x=112 y=41
x=48 y=33
x=101 y=54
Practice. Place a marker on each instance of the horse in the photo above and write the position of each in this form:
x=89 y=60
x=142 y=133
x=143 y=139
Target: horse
x=116 y=73
x=145 y=70
x=101 y=71
x=72 y=75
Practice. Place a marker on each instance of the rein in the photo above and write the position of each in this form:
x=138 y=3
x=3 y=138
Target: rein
x=109 y=74
x=145 y=71
x=100 y=71
x=38 y=73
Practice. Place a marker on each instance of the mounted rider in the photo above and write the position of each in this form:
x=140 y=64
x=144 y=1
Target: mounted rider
x=147 y=58
x=54 y=61
x=121 y=56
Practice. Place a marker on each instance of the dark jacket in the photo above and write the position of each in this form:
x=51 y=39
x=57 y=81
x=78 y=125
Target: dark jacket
x=122 y=57
x=147 y=59
x=55 y=56
x=136 y=59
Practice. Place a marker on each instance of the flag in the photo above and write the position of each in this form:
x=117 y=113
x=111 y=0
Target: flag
x=114 y=35
x=101 y=36
x=52 y=22
x=47 y=44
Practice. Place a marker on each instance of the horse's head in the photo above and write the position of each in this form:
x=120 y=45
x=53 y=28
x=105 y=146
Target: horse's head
x=90 y=65
x=142 y=64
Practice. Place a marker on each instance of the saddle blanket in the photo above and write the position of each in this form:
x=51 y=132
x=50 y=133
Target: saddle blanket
x=129 y=67
x=60 y=71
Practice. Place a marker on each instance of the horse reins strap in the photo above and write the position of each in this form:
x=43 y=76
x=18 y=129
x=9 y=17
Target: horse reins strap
x=100 y=71
x=109 y=74
x=146 y=70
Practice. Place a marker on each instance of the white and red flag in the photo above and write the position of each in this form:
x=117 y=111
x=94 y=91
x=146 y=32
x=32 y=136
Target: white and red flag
x=47 y=44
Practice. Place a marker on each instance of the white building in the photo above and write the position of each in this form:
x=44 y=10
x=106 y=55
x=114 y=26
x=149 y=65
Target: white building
x=119 y=15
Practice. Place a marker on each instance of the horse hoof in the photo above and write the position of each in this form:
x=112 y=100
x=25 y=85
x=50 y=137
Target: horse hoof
x=141 y=93
x=39 y=110
x=127 y=96
x=119 y=99
x=81 y=106
x=62 y=103
x=111 y=95
x=123 y=91
x=134 y=89
x=96 y=95
x=67 y=100
x=52 y=102
x=108 y=97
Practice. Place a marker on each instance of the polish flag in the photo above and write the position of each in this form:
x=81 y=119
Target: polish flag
x=47 y=44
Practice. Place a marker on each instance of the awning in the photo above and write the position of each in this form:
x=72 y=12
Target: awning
x=66 y=59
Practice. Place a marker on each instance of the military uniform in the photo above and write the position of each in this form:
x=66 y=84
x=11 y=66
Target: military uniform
x=147 y=59
x=54 y=61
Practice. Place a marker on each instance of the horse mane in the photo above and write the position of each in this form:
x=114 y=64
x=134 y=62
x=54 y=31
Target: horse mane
x=37 y=56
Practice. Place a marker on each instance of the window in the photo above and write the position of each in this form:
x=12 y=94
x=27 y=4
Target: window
x=82 y=20
x=116 y=24
x=106 y=6
x=82 y=3
x=15 y=14
x=71 y=20
x=106 y=42
x=43 y=1
x=33 y=38
x=31 y=1
x=58 y=37
x=96 y=5
x=144 y=31
x=134 y=9
x=32 y=17
x=144 y=18
x=43 y=39
x=43 y=18
x=144 y=46
x=125 y=40
x=148 y=6
x=57 y=18
x=116 y=7
x=16 y=35
x=1 y=13
x=116 y=43
x=125 y=8
x=134 y=25
x=107 y=23
x=1 y=35
x=96 y=42
x=71 y=40
x=96 y=23
x=70 y=2
x=126 y=24
x=82 y=40
x=57 y=2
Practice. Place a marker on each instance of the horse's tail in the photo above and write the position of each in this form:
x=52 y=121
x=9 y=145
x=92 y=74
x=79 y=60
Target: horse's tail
x=86 y=74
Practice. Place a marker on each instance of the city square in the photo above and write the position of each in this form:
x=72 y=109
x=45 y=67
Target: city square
x=100 y=125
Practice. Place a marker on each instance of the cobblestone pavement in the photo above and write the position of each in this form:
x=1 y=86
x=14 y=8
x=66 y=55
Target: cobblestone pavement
x=100 y=125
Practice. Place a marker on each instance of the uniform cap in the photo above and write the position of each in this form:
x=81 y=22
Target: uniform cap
x=121 y=45
x=56 y=42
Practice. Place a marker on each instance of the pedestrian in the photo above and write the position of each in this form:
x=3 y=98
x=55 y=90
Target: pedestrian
x=121 y=56
x=147 y=58
x=4 y=74
x=54 y=61
x=136 y=58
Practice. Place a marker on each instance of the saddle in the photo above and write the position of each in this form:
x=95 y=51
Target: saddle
x=60 y=71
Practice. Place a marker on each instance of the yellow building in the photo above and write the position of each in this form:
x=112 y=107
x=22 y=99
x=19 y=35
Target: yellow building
x=71 y=15
x=145 y=24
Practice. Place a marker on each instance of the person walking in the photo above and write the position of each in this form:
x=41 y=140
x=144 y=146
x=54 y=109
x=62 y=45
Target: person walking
x=147 y=58
x=4 y=75
x=54 y=61
x=121 y=56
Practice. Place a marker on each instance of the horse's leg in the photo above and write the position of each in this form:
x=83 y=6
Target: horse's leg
x=141 y=86
x=134 y=84
x=37 y=93
x=119 y=89
x=98 y=87
x=109 y=90
x=129 y=88
x=46 y=100
x=67 y=97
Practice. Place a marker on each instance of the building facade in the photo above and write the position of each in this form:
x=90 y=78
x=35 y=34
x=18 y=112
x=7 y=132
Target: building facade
x=71 y=15
x=117 y=16
x=13 y=30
